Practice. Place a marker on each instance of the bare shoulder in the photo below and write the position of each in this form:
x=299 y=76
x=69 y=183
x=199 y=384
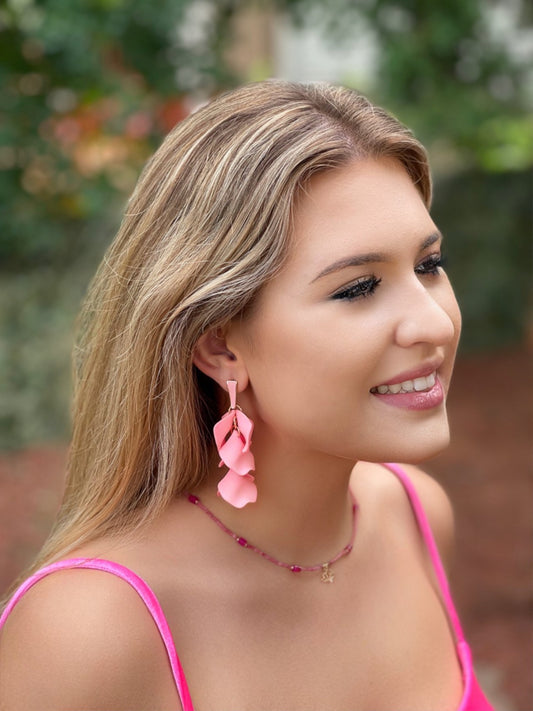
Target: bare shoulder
x=438 y=508
x=83 y=639
x=432 y=495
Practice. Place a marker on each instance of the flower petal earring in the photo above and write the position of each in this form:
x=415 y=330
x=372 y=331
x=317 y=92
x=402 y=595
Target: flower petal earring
x=233 y=437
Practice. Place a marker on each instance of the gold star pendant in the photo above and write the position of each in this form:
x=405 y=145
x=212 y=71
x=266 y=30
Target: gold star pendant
x=327 y=575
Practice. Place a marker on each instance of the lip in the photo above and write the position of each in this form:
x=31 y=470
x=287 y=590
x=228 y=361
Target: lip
x=424 y=400
x=421 y=371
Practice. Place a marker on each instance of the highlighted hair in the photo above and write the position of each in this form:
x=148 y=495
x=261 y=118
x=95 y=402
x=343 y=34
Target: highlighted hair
x=208 y=224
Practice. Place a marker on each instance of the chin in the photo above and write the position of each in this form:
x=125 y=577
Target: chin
x=412 y=450
x=424 y=451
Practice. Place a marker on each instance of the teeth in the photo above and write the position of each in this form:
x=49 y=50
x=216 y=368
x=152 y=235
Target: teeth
x=418 y=384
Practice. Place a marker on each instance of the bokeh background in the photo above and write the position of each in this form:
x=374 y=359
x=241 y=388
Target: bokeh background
x=88 y=88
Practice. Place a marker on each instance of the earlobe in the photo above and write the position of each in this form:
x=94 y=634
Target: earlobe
x=213 y=357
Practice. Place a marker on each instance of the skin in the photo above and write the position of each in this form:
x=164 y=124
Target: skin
x=342 y=347
x=252 y=636
x=306 y=362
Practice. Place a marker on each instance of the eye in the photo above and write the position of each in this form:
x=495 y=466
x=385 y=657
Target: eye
x=431 y=265
x=358 y=290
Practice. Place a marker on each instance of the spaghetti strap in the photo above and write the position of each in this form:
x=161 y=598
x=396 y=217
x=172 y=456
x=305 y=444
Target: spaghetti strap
x=141 y=588
x=427 y=535
x=473 y=697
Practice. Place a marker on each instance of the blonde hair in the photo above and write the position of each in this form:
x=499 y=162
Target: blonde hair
x=208 y=224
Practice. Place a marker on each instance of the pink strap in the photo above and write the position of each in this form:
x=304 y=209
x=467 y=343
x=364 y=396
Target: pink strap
x=427 y=535
x=140 y=587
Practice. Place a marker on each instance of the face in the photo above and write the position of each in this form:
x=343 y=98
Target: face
x=349 y=350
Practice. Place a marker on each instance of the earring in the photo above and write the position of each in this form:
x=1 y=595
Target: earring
x=233 y=437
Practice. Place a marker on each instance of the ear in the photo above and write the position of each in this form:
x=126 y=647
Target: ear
x=213 y=357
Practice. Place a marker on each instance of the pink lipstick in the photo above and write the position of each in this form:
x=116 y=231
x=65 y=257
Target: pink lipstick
x=410 y=398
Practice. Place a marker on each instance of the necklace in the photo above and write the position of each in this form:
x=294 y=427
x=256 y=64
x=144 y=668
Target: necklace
x=326 y=577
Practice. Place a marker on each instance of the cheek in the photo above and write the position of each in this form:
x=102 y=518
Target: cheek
x=308 y=380
x=454 y=312
x=457 y=318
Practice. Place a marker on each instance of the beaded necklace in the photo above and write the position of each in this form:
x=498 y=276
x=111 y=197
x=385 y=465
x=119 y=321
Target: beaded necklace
x=326 y=577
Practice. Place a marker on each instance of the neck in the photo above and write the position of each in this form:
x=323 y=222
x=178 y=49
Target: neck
x=303 y=512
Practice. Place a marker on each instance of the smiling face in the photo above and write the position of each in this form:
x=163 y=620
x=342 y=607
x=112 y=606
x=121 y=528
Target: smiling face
x=349 y=350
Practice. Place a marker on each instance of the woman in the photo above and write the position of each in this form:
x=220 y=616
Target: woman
x=276 y=277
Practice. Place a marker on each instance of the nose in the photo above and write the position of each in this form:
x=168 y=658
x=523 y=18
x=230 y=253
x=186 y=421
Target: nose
x=428 y=316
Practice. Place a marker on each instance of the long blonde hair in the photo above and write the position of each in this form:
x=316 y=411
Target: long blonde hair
x=208 y=224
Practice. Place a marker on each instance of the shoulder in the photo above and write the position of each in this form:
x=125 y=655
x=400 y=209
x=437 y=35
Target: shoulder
x=438 y=508
x=81 y=639
x=389 y=492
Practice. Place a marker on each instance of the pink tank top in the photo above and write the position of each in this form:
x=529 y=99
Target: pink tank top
x=473 y=698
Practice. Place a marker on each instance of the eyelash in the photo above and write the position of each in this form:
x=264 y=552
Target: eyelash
x=363 y=288
x=430 y=266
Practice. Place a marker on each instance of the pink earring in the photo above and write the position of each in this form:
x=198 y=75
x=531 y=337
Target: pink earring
x=233 y=437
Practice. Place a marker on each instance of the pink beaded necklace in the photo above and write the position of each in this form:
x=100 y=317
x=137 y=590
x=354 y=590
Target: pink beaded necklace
x=326 y=577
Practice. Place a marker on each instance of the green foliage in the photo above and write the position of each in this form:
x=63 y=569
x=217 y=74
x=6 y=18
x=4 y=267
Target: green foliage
x=449 y=69
x=37 y=317
x=89 y=87
x=88 y=90
x=37 y=322
x=486 y=222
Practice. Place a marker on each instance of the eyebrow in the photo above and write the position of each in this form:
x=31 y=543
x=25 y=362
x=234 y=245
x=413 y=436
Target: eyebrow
x=357 y=260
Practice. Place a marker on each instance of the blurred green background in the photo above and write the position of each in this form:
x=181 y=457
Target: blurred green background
x=89 y=88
